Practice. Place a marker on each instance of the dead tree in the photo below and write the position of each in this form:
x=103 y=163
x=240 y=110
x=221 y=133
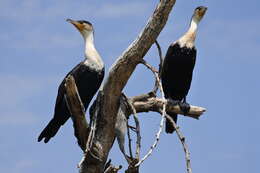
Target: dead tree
x=97 y=137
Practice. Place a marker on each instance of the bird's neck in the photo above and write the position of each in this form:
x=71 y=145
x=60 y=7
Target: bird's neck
x=193 y=25
x=188 y=39
x=92 y=56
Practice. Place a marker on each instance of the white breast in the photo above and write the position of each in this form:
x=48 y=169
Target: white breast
x=188 y=40
x=95 y=65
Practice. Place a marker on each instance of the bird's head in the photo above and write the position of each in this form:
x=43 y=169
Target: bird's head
x=199 y=12
x=84 y=27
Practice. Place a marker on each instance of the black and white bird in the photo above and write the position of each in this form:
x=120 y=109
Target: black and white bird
x=178 y=67
x=88 y=77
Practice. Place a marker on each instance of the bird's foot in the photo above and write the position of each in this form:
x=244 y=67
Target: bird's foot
x=173 y=102
x=185 y=107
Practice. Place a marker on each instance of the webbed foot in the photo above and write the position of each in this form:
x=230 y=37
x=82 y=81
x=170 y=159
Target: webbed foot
x=185 y=107
x=173 y=102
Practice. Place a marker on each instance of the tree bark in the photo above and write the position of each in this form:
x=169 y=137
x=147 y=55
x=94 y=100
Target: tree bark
x=77 y=111
x=155 y=104
x=119 y=74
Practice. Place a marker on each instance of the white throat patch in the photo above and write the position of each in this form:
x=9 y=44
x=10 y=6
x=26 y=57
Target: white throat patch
x=93 y=59
x=188 y=39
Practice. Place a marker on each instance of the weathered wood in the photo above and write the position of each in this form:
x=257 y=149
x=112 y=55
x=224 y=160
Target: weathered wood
x=109 y=168
x=183 y=142
x=118 y=76
x=156 y=104
x=77 y=110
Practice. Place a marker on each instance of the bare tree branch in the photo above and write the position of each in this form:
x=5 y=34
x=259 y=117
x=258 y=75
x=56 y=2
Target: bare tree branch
x=122 y=128
x=159 y=84
x=137 y=130
x=156 y=86
x=160 y=54
x=142 y=103
x=163 y=112
x=129 y=141
x=185 y=146
x=77 y=110
x=116 y=81
x=148 y=102
x=155 y=104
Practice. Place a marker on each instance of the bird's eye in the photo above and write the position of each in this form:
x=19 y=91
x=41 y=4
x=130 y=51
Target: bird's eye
x=199 y=8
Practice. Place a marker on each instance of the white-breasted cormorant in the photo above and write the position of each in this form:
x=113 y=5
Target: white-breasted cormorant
x=178 y=67
x=88 y=77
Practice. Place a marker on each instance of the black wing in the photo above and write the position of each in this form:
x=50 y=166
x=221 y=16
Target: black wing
x=88 y=81
x=177 y=71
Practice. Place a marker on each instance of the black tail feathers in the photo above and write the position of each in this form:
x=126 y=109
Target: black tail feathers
x=49 y=131
x=169 y=127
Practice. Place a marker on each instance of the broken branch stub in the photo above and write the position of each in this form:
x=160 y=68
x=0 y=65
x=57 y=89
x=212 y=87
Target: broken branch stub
x=77 y=110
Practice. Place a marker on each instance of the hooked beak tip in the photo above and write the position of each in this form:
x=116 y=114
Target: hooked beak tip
x=69 y=20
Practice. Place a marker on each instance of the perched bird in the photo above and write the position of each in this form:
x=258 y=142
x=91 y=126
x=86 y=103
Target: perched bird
x=88 y=77
x=178 y=67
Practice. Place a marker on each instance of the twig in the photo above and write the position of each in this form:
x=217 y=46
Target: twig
x=162 y=119
x=185 y=146
x=160 y=54
x=138 y=133
x=129 y=141
x=91 y=135
x=155 y=71
x=94 y=123
x=181 y=137
x=160 y=65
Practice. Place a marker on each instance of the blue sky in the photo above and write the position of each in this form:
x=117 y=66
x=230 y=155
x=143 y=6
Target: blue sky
x=38 y=48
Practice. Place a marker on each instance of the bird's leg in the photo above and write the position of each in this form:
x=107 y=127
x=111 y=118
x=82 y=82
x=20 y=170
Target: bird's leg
x=184 y=106
x=173 y=102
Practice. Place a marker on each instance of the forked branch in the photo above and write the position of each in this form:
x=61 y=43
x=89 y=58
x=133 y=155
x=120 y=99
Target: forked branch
x=116 y=81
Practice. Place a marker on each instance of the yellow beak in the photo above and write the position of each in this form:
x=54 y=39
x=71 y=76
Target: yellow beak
x=78 y=25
